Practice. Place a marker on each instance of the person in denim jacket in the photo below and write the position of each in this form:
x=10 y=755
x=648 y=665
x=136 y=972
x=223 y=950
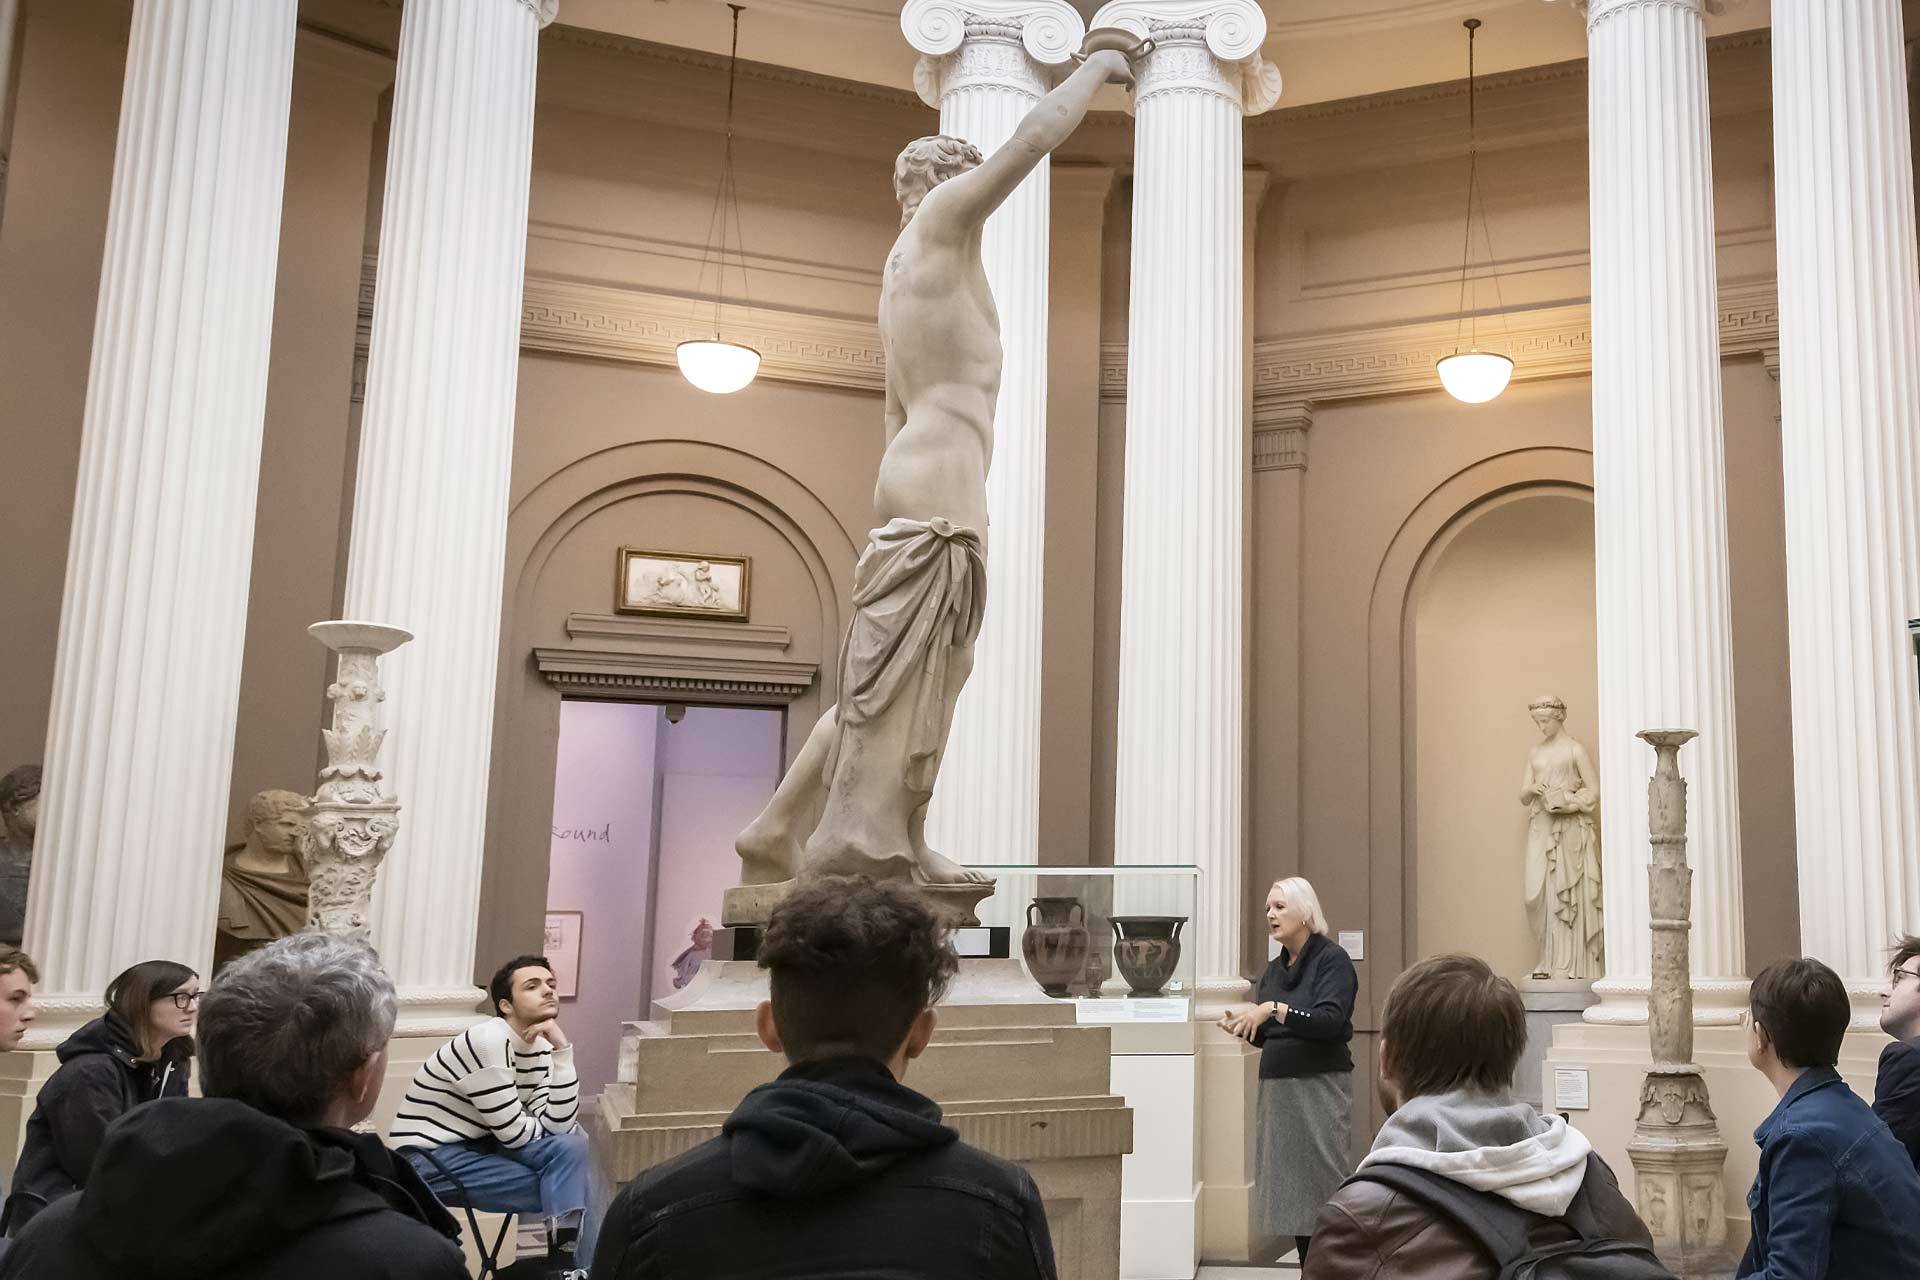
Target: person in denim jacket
x=1836 y=1195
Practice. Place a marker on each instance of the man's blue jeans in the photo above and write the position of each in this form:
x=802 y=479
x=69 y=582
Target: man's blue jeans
x=547 y=1178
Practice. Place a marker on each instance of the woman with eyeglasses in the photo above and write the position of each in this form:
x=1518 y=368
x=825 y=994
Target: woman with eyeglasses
x=139 y=1050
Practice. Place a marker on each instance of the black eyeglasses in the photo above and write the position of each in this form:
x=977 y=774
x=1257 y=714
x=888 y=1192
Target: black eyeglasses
x=183 y=1000
x=1900 y=971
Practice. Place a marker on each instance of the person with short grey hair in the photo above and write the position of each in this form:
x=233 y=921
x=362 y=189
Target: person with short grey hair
x=264 y=1177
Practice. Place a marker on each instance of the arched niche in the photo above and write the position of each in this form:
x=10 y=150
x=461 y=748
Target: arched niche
x=563 y=536
x=1501 y=611
x=1447 y=511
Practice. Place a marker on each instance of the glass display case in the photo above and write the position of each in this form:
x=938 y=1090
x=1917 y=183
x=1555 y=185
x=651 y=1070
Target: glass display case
x=1093 y=934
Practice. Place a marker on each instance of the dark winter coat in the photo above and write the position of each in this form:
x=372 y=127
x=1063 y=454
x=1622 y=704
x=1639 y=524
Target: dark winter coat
x=1319 y=992
x=833 y=1170
x=98 y=1081
x=211 y=1189
x=1896 y=1095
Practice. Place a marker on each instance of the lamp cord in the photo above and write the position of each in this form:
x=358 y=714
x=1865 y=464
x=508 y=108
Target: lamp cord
x=726 y=200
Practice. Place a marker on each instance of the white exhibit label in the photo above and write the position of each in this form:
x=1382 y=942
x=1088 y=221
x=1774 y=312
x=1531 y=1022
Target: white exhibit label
x=973 y=941
x=1155 y=1009
x=1354 y=943
x=1570 y=1089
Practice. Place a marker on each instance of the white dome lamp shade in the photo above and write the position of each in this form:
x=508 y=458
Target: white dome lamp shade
x=1473 y=376
x=719 y=367
x=713 y=364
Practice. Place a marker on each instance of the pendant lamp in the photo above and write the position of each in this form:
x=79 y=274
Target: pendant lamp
x=714 y=364
x=1473 y=376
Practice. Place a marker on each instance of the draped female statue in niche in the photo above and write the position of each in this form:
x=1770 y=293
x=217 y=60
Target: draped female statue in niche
x=1562 y=792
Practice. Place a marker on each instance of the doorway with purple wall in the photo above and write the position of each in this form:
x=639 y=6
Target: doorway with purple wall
x=647 y=799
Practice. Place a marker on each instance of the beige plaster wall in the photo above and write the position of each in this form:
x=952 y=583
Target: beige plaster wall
x=1506 y=614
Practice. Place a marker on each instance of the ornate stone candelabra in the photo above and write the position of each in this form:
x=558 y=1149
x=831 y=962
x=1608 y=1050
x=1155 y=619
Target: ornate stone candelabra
x=1676 y=1147
x=351 y=819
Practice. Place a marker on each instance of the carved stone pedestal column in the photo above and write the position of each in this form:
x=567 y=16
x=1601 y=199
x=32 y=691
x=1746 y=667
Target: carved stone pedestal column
x=351 y=820
x=1676 y=1149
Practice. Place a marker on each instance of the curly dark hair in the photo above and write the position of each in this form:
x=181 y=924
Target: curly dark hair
x=853 y=962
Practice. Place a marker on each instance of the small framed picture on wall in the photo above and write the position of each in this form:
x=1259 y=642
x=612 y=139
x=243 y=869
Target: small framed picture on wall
x=562 y=950
x=680 y=585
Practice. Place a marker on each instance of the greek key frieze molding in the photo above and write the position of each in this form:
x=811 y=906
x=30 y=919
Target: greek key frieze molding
x=1551 y=342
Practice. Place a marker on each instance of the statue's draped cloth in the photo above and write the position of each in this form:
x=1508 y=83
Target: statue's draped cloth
x=919 y=593
x=262 y=905
x=1564 y=895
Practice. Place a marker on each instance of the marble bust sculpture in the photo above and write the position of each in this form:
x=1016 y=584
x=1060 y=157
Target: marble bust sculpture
x=1562 y=793
x=20 y=812
x=263 y=884
x=855 y=798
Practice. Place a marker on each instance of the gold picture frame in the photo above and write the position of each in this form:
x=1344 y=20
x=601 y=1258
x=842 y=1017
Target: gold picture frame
x=678 y=584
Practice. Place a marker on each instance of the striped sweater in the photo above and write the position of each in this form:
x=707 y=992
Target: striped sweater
x=487 y=1082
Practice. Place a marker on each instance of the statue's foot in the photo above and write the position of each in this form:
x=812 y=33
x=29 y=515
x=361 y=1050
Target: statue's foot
x=938 y=868
x=768 y=851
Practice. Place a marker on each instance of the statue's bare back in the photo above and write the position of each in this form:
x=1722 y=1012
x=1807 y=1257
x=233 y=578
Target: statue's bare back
x=941 y=336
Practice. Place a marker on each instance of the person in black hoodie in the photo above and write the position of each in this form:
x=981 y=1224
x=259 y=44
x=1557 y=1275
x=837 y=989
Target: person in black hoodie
x=836 y=1168
x=263 y=1178
x=140 y=1050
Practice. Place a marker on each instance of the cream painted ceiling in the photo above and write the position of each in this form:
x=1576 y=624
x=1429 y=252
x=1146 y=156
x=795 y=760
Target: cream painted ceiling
x=1325 y=49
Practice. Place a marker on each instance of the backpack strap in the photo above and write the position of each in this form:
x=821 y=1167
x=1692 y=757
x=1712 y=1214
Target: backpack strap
x=1500 y=1227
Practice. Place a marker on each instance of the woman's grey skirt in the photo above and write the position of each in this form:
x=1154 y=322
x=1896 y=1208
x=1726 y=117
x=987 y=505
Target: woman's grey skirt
x=1301 y=1158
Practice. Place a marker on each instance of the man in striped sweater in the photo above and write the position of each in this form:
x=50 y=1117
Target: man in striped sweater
x=491 y=1118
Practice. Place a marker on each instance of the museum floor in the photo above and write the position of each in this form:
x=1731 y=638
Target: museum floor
x=1248 y=1273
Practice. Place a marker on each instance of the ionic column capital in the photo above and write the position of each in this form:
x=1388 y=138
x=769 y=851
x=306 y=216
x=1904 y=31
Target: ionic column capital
x=544 y=11
x=1199 y=46
x=1010 y=44
x=1598 y=11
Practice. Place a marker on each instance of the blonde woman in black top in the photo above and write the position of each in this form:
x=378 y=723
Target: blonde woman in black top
x=1302 y=1022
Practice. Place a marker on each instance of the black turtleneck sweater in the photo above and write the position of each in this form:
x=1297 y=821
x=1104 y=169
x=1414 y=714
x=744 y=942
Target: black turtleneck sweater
x=1318 y=991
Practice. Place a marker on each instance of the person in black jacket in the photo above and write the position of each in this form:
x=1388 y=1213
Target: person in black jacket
x=140 y=1050
x=1896 y=1092
x=1302 y=1022
x=263 y=1178
x=836 y=1168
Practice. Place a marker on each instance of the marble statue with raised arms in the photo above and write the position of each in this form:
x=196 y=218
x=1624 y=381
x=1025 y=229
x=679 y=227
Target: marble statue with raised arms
x=1562 y=792
x=855 y=799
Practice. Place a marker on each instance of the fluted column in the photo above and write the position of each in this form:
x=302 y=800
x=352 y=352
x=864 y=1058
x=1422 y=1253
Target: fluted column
x=1849 y=402
x=984 y=64
x=147 y=678
x=1181 y=750
x=436 y=446
x=1660 y=514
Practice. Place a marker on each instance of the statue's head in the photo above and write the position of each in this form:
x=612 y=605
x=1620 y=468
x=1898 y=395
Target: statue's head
x=1547 y=712
x=20 y=801
x=701 y=934
x=276 y=820
x=925 y=164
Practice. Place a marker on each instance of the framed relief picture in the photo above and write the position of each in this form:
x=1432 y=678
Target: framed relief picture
x=562 y=950
x=683 y=586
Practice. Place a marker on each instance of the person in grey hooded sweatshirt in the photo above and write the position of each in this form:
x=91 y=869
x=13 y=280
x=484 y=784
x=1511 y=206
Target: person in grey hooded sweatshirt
x=1451 y=1037
x=837 y=1168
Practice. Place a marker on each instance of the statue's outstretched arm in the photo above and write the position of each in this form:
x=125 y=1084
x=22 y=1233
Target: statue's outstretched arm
x=964 y=202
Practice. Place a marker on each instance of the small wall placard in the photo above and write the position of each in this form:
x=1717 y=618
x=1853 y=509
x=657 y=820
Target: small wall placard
x=561 y=947
x=681 y=585
x=1570 y=1089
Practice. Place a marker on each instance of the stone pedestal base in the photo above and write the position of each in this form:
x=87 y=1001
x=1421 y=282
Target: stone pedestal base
x=754 y=903
x=1679 y=1165
x=1010 y=1069
x=1550 y=1003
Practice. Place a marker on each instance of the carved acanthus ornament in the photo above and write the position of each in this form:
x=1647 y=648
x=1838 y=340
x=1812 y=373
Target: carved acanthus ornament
x=1200 y=46
x=1018 y=45
x=352 y=821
